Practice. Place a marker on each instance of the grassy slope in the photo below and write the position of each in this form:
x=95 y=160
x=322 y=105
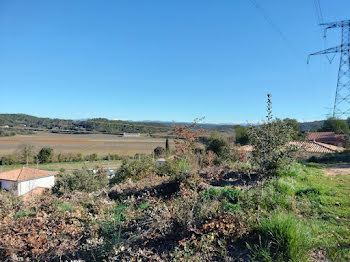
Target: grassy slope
x=317 y=204
x=329 y=211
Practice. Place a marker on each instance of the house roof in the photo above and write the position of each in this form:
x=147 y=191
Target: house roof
x=307 y=146
x=317 y=147
x=24 y=173
x=331 y=136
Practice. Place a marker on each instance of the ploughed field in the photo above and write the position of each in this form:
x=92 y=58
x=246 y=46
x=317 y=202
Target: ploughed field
x=83 y=143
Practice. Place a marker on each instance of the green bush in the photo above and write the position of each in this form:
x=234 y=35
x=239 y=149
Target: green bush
x=9 y=160
x=159 y=151
x=171 y=168
x=221 y=148
x=282 y=237
x=45 y=155
x=91 y=157
x=241 y=135
x=134 y=169
x=271 y=143
x=81 y=180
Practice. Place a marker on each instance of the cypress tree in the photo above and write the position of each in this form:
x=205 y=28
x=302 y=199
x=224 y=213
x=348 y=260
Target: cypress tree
x=167 y=149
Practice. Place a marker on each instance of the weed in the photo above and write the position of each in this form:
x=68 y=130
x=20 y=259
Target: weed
x=24 y=213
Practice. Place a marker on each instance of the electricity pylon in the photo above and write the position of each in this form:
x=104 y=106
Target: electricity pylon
x=341 y=106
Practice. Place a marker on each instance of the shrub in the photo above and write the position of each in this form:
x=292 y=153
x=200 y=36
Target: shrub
x=191 y=209
x=91 y=157
x=217 y=144
x=45 y=155
x=159 y=151
x=81 y=180
x=171 y=168
x=270 y=140
x=282 y=237
x=241 y=135
x=8 y=203
x=134 y=169
x=9 y=160
x=112 y=157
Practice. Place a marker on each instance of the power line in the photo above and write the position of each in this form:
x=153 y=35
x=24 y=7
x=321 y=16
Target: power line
x=318 y=11
x=273 y=25
x=320 y=20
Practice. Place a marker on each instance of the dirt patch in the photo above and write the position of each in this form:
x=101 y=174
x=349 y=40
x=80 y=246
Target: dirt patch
x=160 y=187
x=217 y=176
x=339 y=169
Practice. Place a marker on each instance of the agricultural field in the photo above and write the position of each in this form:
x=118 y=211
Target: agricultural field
x=101 y=144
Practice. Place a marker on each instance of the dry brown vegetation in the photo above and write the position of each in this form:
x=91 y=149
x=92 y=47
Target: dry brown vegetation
x=187 y=210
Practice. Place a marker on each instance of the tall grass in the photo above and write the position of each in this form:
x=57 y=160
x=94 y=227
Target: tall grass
x=281 y=237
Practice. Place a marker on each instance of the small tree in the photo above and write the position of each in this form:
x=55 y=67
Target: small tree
x=45 y=155
x=295 y=126
x=241 y=135
x=186 y=138
x=217 y=144
x=270 y=142
x=81 y=180
x=26 y=154
x=159 y=151
x=335 y=125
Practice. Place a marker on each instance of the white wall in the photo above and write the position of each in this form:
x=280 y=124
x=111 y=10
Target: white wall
x=26 y=186
x=9 y=185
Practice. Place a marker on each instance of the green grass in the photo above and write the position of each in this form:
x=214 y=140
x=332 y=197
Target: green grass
x=24 y=213
x=228 y=196
x=302 y=197
x=65 y=207
x=281 y=237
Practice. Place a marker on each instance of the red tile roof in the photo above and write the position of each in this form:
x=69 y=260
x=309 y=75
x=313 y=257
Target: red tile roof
x=24 y=173
x=317 y=147
x=311 y=147
x=318 y=136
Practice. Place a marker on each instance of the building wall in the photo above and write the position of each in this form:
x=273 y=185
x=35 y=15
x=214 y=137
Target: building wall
x=26 y=186
x=9 y=185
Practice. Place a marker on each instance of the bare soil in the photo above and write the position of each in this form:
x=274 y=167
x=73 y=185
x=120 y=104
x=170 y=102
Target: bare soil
x=338 y=169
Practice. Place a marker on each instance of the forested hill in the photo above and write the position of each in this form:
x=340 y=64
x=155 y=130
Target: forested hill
x=103 y=125
x=311 y=126
x=82 y=126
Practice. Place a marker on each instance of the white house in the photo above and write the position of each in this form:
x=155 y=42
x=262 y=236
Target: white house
x=131 y=134
x=25 y=180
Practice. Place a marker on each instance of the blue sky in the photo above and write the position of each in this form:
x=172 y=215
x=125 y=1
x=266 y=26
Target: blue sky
x=166 y=60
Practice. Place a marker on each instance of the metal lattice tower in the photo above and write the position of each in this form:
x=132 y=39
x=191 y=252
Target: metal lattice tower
x=341 y=106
